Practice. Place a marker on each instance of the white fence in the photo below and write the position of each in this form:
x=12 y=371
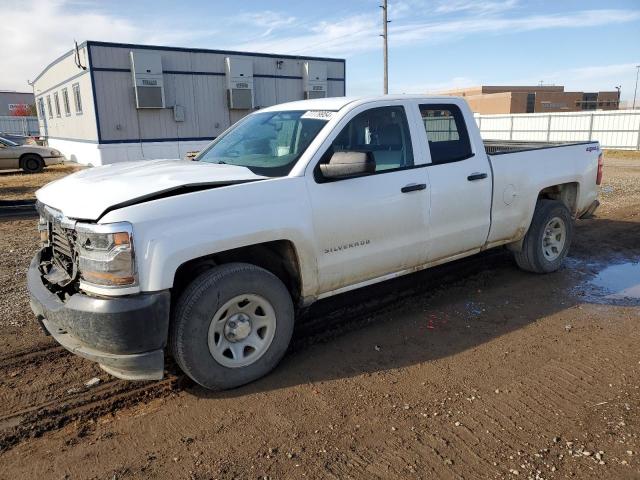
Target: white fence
x=613 y=129
x=19 y=125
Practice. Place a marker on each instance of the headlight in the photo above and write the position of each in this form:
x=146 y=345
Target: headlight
x=105 y=254
x=55 y=153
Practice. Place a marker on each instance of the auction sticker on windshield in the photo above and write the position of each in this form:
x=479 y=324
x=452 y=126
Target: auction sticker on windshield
x=318 y=114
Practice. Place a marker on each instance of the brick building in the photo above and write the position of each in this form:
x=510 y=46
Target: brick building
x=533 y=99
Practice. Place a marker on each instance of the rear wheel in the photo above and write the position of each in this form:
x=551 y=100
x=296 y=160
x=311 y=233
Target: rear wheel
x=32 y=163
x=231 y=326
x=548 y=239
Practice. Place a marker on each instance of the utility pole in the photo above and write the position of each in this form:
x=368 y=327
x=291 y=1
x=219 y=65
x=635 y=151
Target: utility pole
x=635 y=91
x=619 y=87
x=384 y=36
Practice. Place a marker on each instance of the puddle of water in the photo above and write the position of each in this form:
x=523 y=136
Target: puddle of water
x=620 y=281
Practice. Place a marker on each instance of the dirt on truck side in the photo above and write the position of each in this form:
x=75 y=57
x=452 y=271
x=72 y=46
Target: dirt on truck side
x=474 y=369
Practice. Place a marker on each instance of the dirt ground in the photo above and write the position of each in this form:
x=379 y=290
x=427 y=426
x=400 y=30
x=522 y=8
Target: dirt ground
x=472 y=370
x=17 y=185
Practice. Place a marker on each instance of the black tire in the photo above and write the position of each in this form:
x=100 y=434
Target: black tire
x=32 y=163
x=189 y=329
x=532 y=257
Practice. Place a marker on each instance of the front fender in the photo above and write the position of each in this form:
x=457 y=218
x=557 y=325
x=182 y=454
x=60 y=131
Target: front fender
x=171 y=231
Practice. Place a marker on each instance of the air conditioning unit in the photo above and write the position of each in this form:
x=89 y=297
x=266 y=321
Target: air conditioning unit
x=239 y=83
x=146 y=69
x=314 y=79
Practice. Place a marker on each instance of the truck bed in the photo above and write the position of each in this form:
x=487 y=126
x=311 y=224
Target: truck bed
x=498 y=147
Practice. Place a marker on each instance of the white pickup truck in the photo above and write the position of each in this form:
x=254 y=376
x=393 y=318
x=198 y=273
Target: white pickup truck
x=210 y=260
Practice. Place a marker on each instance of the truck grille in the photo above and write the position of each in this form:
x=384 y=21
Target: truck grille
x=62 y=247
x=62 y=244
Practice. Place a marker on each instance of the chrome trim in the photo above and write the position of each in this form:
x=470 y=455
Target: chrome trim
x=115 y=291
x=99 y=228
x=52 y=215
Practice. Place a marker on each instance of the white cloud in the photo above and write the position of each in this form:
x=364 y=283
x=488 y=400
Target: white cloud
x=475 y=6
x=437 y=31
x=360 y=33
x=35 y=32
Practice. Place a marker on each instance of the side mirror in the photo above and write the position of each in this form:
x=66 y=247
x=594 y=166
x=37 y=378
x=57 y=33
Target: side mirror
x=347 y=164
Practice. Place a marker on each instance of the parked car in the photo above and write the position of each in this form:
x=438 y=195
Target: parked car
x=210 y=260
x=30 y=158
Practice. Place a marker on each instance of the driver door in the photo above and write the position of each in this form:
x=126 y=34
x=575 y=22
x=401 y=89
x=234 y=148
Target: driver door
x=372 y=225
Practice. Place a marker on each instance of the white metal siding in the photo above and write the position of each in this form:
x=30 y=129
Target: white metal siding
x=613 y=129
x=202 y=95
x=59 y=76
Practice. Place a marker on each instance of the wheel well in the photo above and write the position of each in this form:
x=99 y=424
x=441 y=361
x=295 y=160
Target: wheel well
x=567 y=193
x=25 y=155
x=278 y=257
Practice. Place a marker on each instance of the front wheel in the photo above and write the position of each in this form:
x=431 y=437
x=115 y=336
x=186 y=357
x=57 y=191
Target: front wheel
x=32 y=163
x=231 y=326
x=547 y=241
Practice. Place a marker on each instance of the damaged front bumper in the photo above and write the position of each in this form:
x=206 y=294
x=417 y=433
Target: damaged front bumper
x=125 y=335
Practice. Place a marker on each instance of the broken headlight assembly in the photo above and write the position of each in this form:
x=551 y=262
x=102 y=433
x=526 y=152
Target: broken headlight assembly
x=106 y=260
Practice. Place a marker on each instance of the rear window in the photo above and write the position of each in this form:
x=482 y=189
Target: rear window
x=446 y=132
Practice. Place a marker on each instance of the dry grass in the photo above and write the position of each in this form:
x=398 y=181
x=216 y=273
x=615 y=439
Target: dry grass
x=17 y=185
x=623 y=154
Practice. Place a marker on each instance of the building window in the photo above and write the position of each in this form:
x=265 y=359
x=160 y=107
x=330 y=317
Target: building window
x=65 y=102
x=49 y=109
x=531 y=102
x=56 y=103
x=446 y=133
x=77 y=101
x=589 y=101
x=41 y=108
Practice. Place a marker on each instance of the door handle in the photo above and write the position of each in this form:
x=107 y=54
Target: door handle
x=413 y=187
x=476 y=176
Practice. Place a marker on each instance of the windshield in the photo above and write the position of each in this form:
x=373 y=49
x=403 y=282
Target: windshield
x=267 y=143
x=8 y=142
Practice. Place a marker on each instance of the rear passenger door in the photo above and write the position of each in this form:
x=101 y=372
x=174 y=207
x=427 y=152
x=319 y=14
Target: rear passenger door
x=460 y=183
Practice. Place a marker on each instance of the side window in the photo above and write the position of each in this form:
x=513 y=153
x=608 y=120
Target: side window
x=77 y=100
x=446 y=132
x=56 y=102
x=65 y=102
x=383 y=131
x=49 y=109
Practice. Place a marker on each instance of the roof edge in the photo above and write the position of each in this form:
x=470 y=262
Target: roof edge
x=209 y=50
x=58 y=60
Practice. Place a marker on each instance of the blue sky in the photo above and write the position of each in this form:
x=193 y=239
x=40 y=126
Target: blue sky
x=433 y=44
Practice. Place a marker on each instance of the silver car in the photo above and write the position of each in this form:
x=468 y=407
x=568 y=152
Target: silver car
x=30 y=158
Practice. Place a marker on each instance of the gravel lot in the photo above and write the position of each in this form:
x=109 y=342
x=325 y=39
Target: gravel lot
x=470 y=370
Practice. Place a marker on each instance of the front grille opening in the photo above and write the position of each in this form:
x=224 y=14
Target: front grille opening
x=57 y=262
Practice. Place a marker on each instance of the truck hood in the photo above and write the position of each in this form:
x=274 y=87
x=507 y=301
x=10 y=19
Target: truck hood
x=88 y=194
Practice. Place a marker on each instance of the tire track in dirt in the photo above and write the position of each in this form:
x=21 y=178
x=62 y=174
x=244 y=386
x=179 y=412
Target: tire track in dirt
x=500 y=433
x=90 y=404
x=33 y=356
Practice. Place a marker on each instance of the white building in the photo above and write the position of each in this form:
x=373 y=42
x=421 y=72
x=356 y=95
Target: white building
x=112 y=102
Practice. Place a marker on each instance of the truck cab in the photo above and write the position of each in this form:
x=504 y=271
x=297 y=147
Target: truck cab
x=210 y=260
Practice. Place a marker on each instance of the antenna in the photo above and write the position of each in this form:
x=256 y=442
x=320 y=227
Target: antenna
x=76 y=58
